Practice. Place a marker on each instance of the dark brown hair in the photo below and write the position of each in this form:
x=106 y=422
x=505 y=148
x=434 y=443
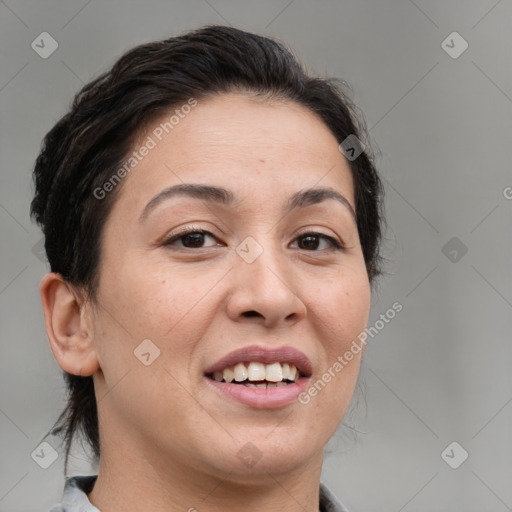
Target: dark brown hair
x=86 y=147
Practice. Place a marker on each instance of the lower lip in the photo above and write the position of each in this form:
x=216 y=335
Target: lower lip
x=261 y=398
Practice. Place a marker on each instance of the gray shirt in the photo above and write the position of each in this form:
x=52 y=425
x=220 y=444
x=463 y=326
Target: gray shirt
x=77 y=487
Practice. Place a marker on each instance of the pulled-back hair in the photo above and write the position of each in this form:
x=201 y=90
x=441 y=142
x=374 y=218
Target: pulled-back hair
x=86 y=147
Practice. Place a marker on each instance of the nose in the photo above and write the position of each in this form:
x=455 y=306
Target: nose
x=265 y=291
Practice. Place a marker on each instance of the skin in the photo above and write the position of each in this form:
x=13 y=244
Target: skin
x=168 y=442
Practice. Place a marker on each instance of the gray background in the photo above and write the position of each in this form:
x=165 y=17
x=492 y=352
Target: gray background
x=440 y=370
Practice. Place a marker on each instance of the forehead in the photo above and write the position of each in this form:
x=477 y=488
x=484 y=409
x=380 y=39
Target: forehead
x=251 y=145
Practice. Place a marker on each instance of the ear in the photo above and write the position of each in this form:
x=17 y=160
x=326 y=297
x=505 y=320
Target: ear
x=69 y=326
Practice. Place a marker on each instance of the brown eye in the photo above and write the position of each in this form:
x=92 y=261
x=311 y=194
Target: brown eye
x=312 y=241
x=192 y=239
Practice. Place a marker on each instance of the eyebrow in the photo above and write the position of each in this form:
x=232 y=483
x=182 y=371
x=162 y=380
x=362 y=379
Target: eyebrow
x=223 y=196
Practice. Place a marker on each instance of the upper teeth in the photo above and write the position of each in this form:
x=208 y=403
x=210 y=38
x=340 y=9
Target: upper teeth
x=275 y=372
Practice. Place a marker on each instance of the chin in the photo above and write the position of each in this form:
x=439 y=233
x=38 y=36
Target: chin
x=268 y=452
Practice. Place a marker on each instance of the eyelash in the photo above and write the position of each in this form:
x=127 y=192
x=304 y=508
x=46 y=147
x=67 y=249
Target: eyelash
x=173 y=238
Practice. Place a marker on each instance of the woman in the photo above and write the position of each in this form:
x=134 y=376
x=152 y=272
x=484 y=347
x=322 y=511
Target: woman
x=212 y=225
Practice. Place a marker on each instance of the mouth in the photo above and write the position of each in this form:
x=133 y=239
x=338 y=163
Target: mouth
x=255 y=374
x=261 y=377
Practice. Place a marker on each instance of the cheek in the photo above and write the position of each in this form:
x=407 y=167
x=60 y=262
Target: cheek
x=342 y=312
x=135 y=305
x=344 y=308
x=152 y=299
x=172 y=308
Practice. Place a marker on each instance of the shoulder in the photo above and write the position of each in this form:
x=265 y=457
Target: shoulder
x=75 y=497
x=329 y=502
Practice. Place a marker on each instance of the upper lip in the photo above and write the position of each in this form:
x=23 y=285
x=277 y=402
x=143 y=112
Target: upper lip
x=266 y=355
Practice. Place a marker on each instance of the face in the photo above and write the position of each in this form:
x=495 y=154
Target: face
x=257 y=270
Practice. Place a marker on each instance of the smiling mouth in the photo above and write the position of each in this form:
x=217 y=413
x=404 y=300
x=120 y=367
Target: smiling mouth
x=258 y=375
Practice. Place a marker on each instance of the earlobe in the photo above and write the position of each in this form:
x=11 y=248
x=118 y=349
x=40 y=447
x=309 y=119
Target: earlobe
x=69 y=329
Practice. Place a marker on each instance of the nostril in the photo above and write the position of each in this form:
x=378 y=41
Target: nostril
x=251 y=313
